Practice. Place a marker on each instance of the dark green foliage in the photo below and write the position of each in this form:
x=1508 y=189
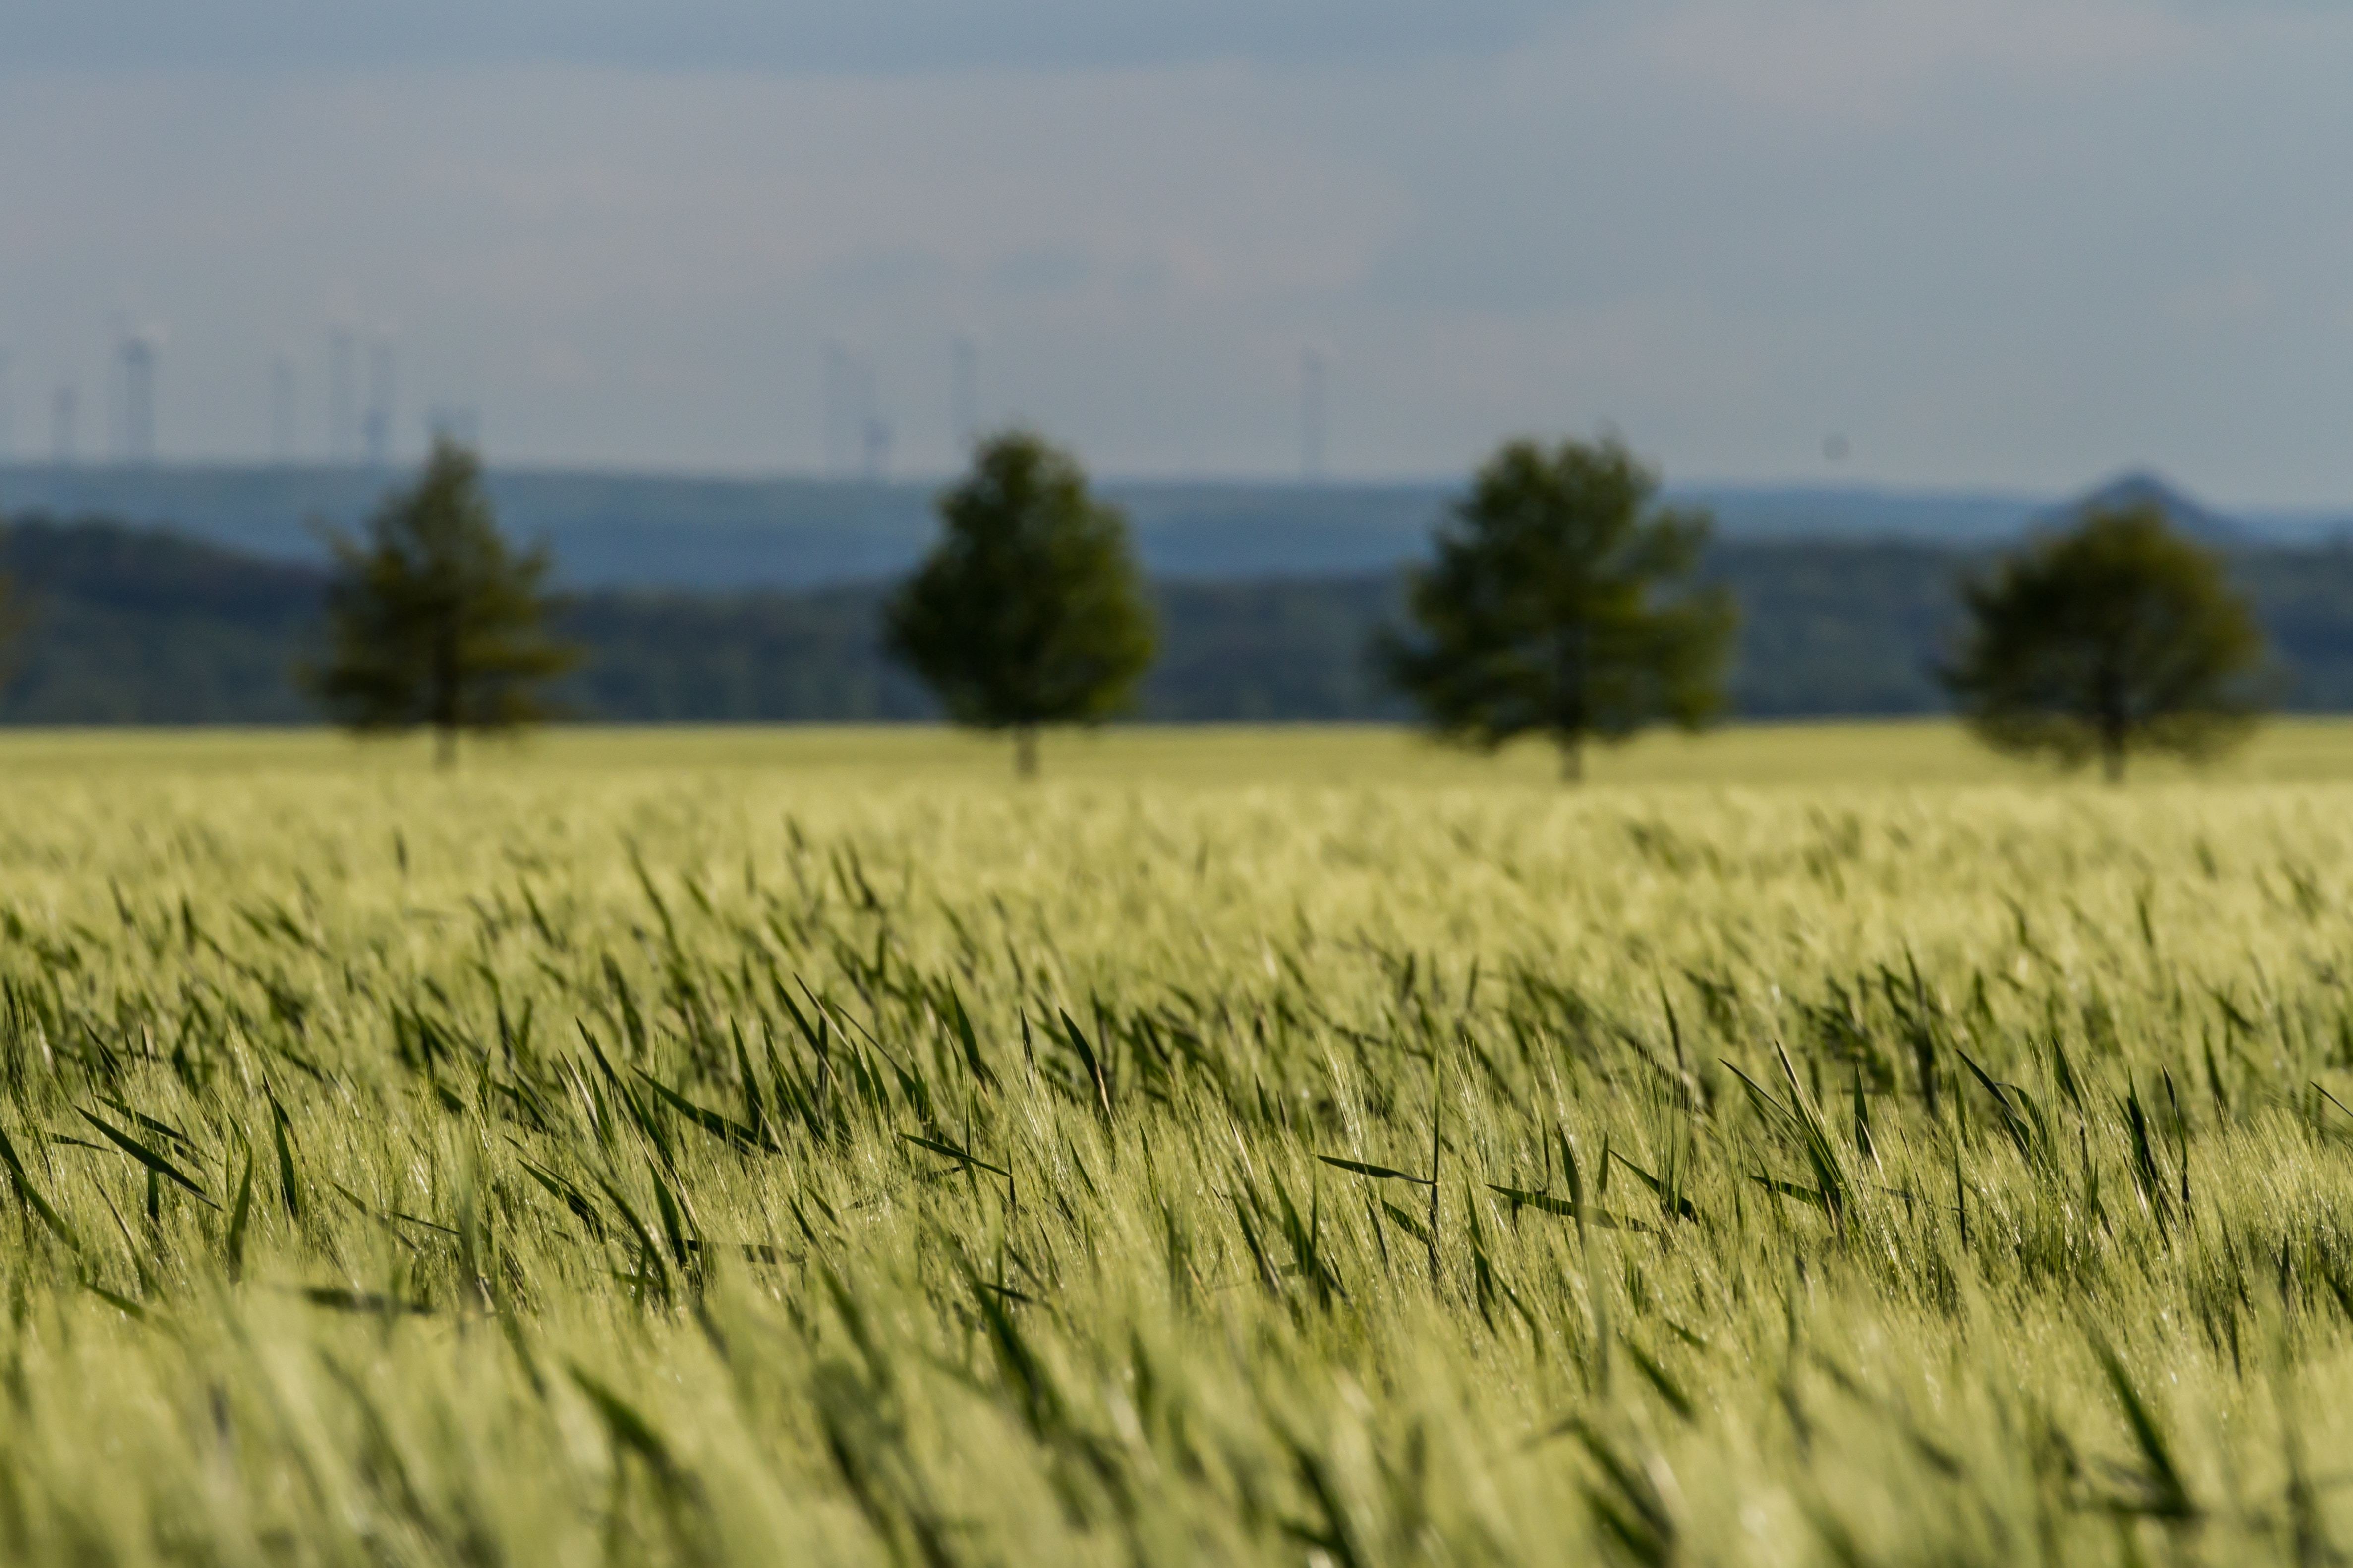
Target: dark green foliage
x=434 y=620
x=12 y=624
x=1271 y=650
x=753 y=656
x=2118 y=635
x=1028 y=611
x=1543 y=612
x=142 y=625
x=2304 y=599
x=1838 y=626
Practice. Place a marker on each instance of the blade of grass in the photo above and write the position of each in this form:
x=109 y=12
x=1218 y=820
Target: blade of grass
x=147 y=1157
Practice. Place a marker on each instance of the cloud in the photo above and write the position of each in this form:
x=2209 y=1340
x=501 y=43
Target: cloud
x=640 y=266
x=814 y=37
x=1989 y=242
x=1844 y=61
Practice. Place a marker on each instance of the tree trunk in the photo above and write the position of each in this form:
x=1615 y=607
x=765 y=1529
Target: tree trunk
x=1571 y=710
x=444 y=698
x=1025 y=751
x=2116 y=726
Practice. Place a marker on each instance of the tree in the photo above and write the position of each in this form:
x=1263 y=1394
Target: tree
x=1028 y=612
x=15 y=618
x=2118 y=635
x=434 y=619
x=1559 y=605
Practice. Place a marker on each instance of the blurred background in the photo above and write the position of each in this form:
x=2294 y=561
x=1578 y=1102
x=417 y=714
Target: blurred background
x=725 y=290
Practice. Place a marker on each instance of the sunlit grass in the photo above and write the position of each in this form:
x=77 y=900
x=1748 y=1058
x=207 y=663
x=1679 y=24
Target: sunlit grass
x=762 y=1145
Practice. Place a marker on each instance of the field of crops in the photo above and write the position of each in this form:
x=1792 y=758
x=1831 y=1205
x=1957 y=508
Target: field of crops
x=1796 y=1146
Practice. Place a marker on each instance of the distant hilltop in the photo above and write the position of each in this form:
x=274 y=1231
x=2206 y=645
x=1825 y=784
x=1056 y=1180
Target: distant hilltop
x=667 y=531
x=2139 y=488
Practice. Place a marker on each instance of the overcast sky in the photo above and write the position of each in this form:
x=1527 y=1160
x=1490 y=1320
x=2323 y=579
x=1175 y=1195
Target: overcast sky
x=2002 y=243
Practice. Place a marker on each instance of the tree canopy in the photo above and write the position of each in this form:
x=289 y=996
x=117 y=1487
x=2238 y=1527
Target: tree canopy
x=2118 y=635
x=1559 y=605
x=433 y=620
x=1028 y=611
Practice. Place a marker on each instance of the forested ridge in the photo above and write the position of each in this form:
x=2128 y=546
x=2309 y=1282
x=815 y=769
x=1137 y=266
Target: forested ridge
x=145 y=625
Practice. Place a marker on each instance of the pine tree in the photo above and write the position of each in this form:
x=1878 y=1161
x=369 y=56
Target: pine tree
x=1028 y=612
x=434 y=619
x=1559 y=605
x=2117 y=636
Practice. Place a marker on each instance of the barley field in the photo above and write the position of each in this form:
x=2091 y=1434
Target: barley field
x=1798 y=1145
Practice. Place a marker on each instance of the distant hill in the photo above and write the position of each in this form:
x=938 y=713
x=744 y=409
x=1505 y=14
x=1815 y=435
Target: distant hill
x=652 y=530
x=2140 y=487
x=140 y=625
x=663 y=531
x=143 y=626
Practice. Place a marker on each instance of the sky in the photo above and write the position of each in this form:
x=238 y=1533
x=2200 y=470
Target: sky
x=2002 y=244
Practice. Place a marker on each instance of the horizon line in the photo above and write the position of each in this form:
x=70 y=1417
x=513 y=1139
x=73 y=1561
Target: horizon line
x=1859 y=487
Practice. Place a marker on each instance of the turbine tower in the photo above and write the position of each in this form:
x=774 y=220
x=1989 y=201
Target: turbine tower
x=379 y=408
x=1311 y=416
x=856 y=436
x=64 y=407
x=830 y=411
x=874 y=431
x=459 y=422
x=963 y=392
x=137 y=354
x=281 y=410
x=343 y=397
x=7 y=413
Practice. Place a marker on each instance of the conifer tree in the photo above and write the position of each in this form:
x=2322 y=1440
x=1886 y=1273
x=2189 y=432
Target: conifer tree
x=1559 y=605
x=434 y=619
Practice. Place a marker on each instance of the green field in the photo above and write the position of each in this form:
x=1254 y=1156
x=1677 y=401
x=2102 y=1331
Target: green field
x=759 y=1146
